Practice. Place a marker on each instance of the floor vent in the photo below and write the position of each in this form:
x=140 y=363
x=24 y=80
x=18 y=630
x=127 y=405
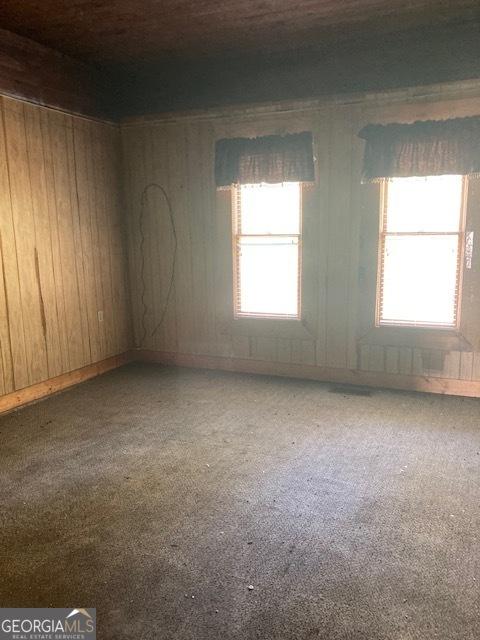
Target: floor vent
x=350 y=390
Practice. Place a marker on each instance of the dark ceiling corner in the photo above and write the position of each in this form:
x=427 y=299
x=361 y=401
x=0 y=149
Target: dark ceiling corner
x=411 y=58
x=35 y=73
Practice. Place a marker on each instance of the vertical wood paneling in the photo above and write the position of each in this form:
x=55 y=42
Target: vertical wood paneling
x=241 y=346
x=222 y=282
x=13 y=334
x=284 y=350
x=476 y=366
x=376 y=358
x=354 y=226
x=265 y=349
x=198 y=222
x=98 y=236
x=66 y=245
x=466 y=365
x=161 y=242
x=76 y=238
x=6 y=380
x=120 y=313
x=132 y=151
x=81 y=151
x=43 y=247
x=451 y=368
x=417 y=362
x=391 y=360
x=338 y=247
x=182 y=208
x=62 y=250
x=208 y=228
x=406 y=360
x=25 y=242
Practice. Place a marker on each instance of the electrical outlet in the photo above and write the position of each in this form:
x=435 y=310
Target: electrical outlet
x=100 y=316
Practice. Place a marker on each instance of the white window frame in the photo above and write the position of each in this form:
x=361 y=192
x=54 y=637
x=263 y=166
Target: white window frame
x=237 y=235
x=383 y=234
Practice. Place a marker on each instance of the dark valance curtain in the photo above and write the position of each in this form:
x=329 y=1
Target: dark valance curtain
x=270 y=159
x=428 y=148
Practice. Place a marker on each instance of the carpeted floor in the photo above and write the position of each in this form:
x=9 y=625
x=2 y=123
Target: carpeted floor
x=158 y=495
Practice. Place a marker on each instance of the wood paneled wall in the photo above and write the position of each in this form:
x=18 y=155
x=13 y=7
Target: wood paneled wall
x=340 y=247
x=63 y=294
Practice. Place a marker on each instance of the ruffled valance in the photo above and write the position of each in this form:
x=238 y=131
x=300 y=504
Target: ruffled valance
x=424 y=148
x=270 y=159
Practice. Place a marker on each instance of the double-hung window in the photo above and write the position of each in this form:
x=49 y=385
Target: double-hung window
x=422 y=232
x=267 y=240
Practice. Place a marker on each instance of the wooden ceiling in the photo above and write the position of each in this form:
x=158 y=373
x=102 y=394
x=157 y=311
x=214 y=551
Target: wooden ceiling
x=113 y=32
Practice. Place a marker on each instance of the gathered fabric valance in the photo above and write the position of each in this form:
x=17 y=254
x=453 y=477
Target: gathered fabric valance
x=271 y=159
x=424 y=148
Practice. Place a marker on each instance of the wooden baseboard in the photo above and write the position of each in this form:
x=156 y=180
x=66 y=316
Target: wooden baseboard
x=310 y=372
x=16 y=399
x=445 y=386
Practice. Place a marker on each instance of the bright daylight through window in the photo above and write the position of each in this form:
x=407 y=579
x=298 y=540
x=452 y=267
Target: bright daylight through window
x=421 y=247
x=267 y=250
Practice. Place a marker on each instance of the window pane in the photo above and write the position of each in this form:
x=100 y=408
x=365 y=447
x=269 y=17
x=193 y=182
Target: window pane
x=420 y=276
x=270 y=208
x=424 y=204
x=268 y=273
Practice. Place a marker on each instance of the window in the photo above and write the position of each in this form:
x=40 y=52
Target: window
x=421 y=251
x=267 y=250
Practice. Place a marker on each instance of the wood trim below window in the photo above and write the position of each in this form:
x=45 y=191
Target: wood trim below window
x=271 y=327
x=417 y=337
x=422 y=383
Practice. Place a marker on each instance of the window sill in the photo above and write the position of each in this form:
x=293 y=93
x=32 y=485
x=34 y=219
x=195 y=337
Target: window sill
x=417 y=337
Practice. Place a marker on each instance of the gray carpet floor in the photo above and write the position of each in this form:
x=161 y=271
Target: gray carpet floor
x=159 y=495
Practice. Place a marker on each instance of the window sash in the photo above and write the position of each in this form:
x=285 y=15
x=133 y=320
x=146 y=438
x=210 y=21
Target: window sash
x=384 y=234
x=237 y=237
